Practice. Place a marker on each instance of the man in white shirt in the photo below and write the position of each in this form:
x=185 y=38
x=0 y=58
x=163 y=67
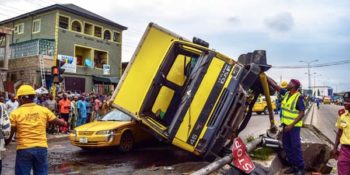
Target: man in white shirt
x=5 y=129
x=12 y=104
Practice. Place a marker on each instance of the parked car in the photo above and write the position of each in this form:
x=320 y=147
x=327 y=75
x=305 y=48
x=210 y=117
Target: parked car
x=327 y=100
x=261 y=105
x=116 y=128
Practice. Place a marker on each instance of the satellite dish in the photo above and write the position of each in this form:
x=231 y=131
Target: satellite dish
x=88 y=63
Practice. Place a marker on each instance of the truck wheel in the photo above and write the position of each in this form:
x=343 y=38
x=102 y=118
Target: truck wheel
x=266 y=111
x=126 y=142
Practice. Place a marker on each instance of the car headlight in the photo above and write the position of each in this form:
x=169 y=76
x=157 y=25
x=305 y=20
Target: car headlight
x=105 y=132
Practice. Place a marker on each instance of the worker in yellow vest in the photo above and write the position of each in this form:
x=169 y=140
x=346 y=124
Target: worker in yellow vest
x=293 y=108
x=343 y=137
x=29 y=121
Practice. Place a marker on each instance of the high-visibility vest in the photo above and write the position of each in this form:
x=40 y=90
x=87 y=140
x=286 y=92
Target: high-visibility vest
x=289 y=110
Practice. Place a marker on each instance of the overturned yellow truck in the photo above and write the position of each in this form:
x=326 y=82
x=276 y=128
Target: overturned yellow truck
x=187 y=94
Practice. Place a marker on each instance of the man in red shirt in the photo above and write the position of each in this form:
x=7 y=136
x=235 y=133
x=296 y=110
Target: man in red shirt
x=64 y=109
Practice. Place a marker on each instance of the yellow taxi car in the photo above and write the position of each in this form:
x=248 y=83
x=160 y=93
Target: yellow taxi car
x=261 y=105
x=327 y=100
x=115 y=129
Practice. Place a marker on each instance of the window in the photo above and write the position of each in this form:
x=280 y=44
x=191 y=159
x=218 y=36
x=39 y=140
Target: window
x=36 y=26
x=88 y=28
x=19 y=28
x=98 y=31
x=82 y=54
x=107 y=35
x=63 y=22
x=76 y=26
x=116 y=37
x=176 y=68
x=100 y=58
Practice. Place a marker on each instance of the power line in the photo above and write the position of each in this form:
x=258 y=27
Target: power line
x=314 y=65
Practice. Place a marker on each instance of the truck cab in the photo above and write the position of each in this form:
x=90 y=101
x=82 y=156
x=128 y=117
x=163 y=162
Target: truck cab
x=187 y=94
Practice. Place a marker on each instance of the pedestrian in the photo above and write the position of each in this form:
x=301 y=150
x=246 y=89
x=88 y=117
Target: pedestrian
x=50 y=103
x=105 y=107
x=74 y=113
x=293 y=108
x=12 y=104
x=29 y=121
x=5 y=130
x=97 y=107
x=82 y=111
x=64 y=109
x=318 y=103
x=89 y=111
x=343 y=138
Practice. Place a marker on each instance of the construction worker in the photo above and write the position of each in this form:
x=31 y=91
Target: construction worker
x=343 y=137
x=280 y=97
x=29 y=121
x=293 y=108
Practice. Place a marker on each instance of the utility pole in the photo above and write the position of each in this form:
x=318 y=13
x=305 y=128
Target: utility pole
x=308 y=69
x=280 y=79
x=315 y=75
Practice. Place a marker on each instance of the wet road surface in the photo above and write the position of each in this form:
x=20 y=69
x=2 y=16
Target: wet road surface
x=67 y=159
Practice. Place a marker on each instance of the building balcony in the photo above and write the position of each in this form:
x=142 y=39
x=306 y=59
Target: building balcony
x=33 y=48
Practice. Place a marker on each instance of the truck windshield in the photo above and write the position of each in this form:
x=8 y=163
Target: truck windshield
x=116 y=115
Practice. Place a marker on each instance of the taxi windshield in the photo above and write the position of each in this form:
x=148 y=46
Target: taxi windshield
x=116 y=115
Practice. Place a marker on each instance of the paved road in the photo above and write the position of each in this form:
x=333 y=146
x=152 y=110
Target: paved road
x=324 y=119
x=67 y=159
x=257 y=125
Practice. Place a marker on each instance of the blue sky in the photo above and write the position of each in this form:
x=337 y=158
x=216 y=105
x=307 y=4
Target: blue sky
x=289 y=30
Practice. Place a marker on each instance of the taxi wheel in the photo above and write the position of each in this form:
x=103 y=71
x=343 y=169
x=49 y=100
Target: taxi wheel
x=126 y=142
x=266 y=111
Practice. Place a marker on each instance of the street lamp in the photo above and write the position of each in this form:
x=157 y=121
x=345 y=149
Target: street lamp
x=308 y=69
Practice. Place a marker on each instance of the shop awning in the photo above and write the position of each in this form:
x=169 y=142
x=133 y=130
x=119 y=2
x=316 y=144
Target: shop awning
x=105 y=80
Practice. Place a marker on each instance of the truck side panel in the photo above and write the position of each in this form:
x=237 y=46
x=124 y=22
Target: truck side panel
x=142 y=69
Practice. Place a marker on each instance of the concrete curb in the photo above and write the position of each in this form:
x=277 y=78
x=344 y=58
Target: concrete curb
x=309 y=112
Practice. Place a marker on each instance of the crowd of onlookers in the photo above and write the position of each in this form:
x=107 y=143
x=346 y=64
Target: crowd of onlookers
x=76 y=109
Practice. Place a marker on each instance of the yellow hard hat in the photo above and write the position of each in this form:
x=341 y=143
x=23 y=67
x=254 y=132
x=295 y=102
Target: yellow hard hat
x=25 y=90
x=284 y=84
